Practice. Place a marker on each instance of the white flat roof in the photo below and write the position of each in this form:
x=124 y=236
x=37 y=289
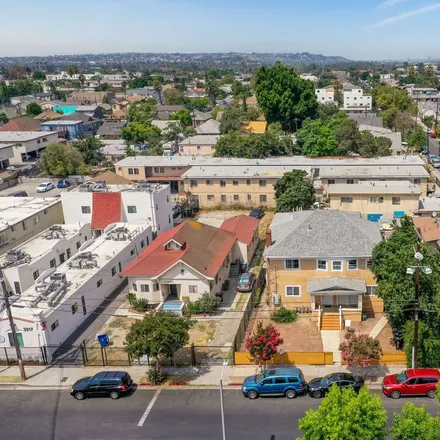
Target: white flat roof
x=131 y=187
x=389 y=187
x=201 y=139
x=22 y=136
x=429 y=204
x=58 y=122
x=373 y=171
x=16 y=209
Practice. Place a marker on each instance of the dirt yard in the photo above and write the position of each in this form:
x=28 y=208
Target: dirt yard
x=117 y=329
x=203 y=332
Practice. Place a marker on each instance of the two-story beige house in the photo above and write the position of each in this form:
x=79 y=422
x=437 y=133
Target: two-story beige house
x=320 y=259
x=199 y=145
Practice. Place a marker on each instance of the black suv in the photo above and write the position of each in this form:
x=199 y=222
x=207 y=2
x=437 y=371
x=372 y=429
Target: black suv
x=104 y=384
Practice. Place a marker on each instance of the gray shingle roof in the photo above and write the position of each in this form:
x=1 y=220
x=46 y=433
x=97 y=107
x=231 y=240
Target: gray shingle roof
x=322 y=233
x=336 y=285
x=209 y=127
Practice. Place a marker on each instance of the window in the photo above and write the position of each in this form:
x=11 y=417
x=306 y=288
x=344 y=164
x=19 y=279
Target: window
x=99 y=283
x=85 y=209
x=336 y=266
x=417 y=181
x=157 y=207
x=222 y=183
x=263 y=198
x=396 y=200
x=45 y=212
x=12 y=228
x=78 y=244
x=292 y=380
x=248 y=181
x=17 y=287
x=182 y=271
x=36 y=274
x=223 y=198
x=132 y=252
x=236 y=197
x=131 y=209
x=371 y=291
x=280 y=380
x=352 y=264
x=148 y=242
x=113 y=271
x=169 y=218
x=346 y=199
x=321 y=265
x=54 y=325
x=120 y=265
x=249 y=196
x=369 y=264
x=262 y=182
x=193 y=183
x=53 y=263
x=155 y=287
x=62 y=258
x=145 y=288
x=36 y=220
x=135 y=287
x=210 y=197
x=209 y=182
x=350 y=181
x=266 y=381
x=156 y=169
x=235 y=182
x=83 y=304
x=23 y=223
x=142 y=243
x=68 y=253
x=331 y=181
x=74 y=308
x=291 y=264
x=136 y=170
x=376 y=199
x=198 y=147
x=130 y=171
x=293 y=290
x=162 y=170
x=192 y=289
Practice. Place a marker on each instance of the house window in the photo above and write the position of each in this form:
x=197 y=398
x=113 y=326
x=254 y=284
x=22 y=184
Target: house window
x=291 y=264
x=99 y=283
x=350 y=181
x=352 y=264
x=223 y=197
x=36 y=220
x=135 y=287
x=209 y=182
x=130 y=171
x=369 y=263
x=321 y=265
x=222 y=183
x=169 y=218
x=235 y=182
x=132 y=252
x=293 y=290
x=17 y=288
x=53 y=263
x=142 y=243
x=136 y=170
x=113 y=271
x=396 y=200
x=376 y=200
x=262 y=183
x=236 y=197
x=131 y=209
x=336 y=266
x=210 y=197
x=23 y=223
x=62 y=258
x=192 y=289
x=199 y=147
x=182 y=271
x=156 y=169
x=54 y=325
x=74 y=308
x=161 y=170
x=85 y=209
x=371 y=291
x=35 y=274
x=346 y=199
x=78 y=244
x=83 y=304
x=249 y=196
x=120 y=266
x=417 y=181
x=68 y=253
x=248 y=181
x=155 y=287
x=145 y=288
x=331 y=181
x=193 y=183
x=263 y=198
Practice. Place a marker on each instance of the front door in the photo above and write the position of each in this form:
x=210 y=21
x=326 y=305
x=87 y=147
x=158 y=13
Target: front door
x=19 y=340
x=173 y=290
x=327 y=300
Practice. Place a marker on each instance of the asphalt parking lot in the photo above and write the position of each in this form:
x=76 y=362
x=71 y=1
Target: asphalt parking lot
x=30 y=186
x=158 y=415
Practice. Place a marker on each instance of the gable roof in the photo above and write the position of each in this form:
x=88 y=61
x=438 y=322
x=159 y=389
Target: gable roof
x=21 y=124
x=242 y=226
x=202 y=116
x=209 y=127
x=258 y=127
x=201 y=139
x=112 y=178
x=106 y=209
x=322 y=233
x=204 y=249
x=111 y=128
x=428 y=228
x=336 y=285
x=48 y=115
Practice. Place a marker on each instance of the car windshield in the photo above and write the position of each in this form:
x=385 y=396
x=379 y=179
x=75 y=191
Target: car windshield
x=401 y=377
x=244 y=279
x=260 y=376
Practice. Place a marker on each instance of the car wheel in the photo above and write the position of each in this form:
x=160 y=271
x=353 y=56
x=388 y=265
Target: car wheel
x=395 y=394
x=291 y=394
x=431 y=394
x=114 y=395
x=317 y=394
x=252 y=394
x=80 y=396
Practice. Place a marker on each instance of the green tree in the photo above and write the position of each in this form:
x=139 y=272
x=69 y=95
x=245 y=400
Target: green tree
x=327 y=111
x=173 y=131
x=348 y=136
x=158 y=336
x=157 y=85
x=293 y=192
x=142 y=111
x=72 y=70
x=39 y=76
x=371 y=146
x=129 y=151
x=33 y=109
x=232 y=119
x=200 y=104
x=428 y=354
x=416 y=137
x=174 y=97
x=3 y=118
x=140 y=132
x=90 y=147
x=345 y=415
x=284 y=96
x=62 y=160
x=139 y=83
x=82 y=80
x=184 y=116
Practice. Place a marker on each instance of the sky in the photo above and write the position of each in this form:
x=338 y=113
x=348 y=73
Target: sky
x=355 y=29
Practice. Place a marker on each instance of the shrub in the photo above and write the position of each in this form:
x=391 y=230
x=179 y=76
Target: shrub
x=138 y=304
x=156 y=376
x=359 y=350
x=262 y=343
x=207 y=304
x=284 y=315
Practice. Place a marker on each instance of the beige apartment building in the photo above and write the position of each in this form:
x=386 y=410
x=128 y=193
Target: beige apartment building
x=376 y=199
x=199 y=145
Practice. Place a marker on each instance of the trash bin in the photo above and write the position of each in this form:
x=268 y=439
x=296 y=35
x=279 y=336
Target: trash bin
x=103 y=340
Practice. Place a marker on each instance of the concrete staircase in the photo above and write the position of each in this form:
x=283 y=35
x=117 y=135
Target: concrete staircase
x=329 y=322
x=174 y=306
x=234 y=271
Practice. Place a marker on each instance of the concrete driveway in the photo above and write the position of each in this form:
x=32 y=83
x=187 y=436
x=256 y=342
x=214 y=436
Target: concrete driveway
x=30 y=186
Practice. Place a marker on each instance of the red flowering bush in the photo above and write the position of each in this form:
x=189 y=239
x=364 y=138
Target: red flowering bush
x=262 y=344
x=359 y=350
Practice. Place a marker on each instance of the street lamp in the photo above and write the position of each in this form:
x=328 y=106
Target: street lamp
x=222 y=407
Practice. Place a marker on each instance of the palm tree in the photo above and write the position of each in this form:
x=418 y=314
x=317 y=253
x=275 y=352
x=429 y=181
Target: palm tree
x=72 y=70
x=82 y=80
x=157 y=85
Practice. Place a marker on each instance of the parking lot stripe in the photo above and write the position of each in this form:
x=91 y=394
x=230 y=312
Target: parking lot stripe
x=149 y=408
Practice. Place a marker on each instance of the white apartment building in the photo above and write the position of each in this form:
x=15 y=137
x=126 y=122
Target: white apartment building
x=355 y=100
x=325 y=95
x=6 y=154
x=22 y=265
x=21 y=218
x=64 y=297
x=28 y=145
x=101 y=204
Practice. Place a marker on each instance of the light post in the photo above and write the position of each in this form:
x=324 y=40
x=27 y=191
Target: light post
x=222 y=407
x=411 y=270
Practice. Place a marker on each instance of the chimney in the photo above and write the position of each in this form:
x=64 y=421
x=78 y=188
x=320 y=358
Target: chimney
x=268 y=238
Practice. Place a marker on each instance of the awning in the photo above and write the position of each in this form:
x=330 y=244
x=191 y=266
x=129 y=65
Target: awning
x=336 y=286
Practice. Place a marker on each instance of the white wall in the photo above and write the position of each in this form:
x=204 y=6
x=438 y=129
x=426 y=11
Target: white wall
x=32 y=145
x=324 y=95
x=72 y=202
x=355 y=98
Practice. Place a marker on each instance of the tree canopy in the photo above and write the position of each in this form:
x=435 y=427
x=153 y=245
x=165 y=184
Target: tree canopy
x=33 y=109
x=141 y=132
x=184 y=116
x=39 y=76
x=371 y=146
x=174 y=97
x=90 y=147
x=293 y=192
x=416 y=137
x=4 y=118
x=142 y=111
x=62 y=160
x=285 y=97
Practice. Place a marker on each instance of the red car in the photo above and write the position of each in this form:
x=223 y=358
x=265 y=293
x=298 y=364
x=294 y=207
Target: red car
x=412 y=382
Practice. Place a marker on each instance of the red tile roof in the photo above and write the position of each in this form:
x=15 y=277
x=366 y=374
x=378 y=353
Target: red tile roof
x=204 y=248
x=22 y=124
x=242 y=226
x=106 y=209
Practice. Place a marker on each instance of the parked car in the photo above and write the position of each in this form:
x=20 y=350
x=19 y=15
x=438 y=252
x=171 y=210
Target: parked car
x=435 y=163
x=44 y=187
x=19 y=193
x=412 y=382
x=63 y=184
x=288 y=382
x=104 y=384
x=320 y=386
x=257 y=212
x=245 y=282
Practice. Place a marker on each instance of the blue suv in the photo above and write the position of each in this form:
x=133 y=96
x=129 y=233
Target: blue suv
x=288 y=382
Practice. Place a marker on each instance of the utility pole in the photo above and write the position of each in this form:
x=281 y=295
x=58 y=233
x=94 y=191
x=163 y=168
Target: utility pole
x=11 y=323
x=416 y=313
x=436 y=118
x=222 y=407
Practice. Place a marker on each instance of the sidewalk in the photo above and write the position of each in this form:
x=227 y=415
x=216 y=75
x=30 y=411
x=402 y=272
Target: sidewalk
x=65 y=377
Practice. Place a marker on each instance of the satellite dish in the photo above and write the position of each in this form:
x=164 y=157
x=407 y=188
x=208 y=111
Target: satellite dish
x=434 y=214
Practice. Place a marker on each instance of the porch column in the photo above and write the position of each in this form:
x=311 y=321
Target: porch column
x=360 y=301
x=313 y=301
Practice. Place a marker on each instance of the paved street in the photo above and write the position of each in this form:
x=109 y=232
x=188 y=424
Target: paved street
x=149 y=414
x=30 y=186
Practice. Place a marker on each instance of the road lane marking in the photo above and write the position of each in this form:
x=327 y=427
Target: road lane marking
x=149 y=408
